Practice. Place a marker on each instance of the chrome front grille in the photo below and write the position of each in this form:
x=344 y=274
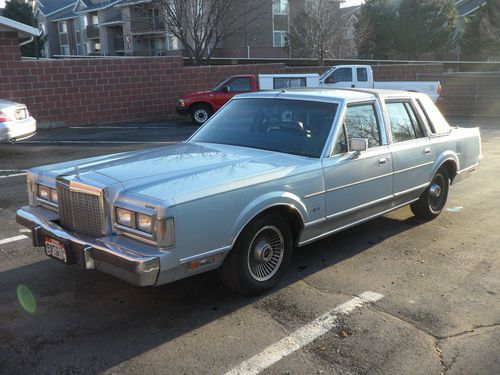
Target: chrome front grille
x=80 y=212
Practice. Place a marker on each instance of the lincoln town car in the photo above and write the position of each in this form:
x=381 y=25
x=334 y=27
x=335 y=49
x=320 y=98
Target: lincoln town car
x=269 y=172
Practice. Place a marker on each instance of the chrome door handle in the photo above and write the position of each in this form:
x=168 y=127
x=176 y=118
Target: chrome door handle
x=427 y=150
x=383 y=160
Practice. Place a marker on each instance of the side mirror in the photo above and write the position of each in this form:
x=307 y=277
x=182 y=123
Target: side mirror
x=358 y=145
x=225 y=89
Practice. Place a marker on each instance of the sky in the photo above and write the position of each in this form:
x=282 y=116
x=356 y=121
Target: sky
x=346 y=3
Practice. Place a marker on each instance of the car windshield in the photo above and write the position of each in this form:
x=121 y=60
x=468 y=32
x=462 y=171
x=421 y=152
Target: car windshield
x=291 y=126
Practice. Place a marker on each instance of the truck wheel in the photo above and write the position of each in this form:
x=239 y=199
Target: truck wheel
x=200 y=113
x=433 y=199
x=260 y=256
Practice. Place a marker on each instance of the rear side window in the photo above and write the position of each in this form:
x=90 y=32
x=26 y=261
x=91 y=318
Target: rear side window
x=240 y=84
x=360 y=122
x=362 y=74
x=404 y=124
x=437 y=122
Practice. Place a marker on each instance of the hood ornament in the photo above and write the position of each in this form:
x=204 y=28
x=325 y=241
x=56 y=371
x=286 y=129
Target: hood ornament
x=77 y=172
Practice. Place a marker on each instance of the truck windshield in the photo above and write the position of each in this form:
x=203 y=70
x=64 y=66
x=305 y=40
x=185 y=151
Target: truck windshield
x=296 y=127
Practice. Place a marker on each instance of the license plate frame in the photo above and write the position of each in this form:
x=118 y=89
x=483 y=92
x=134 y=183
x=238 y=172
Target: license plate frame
x=57 y=249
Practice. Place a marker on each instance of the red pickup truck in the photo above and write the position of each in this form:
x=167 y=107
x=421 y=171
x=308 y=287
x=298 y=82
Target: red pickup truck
x=201 y=105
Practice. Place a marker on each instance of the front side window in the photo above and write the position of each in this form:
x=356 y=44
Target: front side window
x=280 y=6
x=404 y=124
x=340 y=75
x=360 y=122
x=239 y=85
x=290 y=126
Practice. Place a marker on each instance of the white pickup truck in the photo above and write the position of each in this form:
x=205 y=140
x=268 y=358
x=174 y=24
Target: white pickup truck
x=361 y=76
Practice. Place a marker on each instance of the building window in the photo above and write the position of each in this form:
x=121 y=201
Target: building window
x=94 y=19
x=63 y=27
x=279 y=38
x=87 y=48
x=64 y=50
x=280 y=6
x=172 y=42
x=85 y=22
x=41 y=27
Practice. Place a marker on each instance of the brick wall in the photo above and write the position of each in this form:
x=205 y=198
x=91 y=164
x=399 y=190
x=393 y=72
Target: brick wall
x=114 y=90
x=9 y=46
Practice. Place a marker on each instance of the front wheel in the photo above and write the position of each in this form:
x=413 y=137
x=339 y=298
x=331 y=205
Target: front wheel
x=432 y=201
x=200 y=113
x=260 y=256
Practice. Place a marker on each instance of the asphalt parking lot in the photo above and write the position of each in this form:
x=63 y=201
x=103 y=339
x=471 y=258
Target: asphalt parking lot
x=392 y=296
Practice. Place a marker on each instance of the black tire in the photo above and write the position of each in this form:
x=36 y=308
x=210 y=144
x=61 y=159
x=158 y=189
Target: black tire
x=433 y=199
x=258 y=260
x=200 y=113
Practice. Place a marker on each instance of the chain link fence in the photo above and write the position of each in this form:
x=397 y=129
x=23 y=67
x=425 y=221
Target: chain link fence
x=468 y=94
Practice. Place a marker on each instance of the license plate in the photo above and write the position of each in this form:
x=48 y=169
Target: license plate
x=55 y=249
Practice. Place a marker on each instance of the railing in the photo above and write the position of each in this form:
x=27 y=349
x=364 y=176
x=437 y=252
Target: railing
x=147 y=25
x=92 y=32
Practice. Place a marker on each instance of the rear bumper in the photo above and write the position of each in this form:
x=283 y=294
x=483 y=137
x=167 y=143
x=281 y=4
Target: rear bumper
x=123 y=260
x=182 y=111
x=17 y=130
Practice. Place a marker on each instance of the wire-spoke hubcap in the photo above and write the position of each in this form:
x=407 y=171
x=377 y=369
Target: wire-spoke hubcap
x=436 y=192
x=265 y=253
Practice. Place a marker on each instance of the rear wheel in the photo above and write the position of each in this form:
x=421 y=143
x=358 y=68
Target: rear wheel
x=260 y=256
x=433 y=199
x=200 y=113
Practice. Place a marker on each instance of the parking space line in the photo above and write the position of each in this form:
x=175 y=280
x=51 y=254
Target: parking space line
x=100 y=142
x=14 y=175
x=301 y=337
x=13 y=239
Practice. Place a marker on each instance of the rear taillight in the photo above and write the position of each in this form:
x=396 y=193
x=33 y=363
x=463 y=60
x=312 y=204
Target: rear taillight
x=440 y=88
x=3 y=117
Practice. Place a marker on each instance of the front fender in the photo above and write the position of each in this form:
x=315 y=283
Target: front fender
x=264 y=202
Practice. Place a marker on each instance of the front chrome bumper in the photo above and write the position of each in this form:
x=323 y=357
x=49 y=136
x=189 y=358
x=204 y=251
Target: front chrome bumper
x=119 y=257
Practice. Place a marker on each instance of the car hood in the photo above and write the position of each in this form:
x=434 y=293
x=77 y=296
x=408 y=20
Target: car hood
x=195 y=95
x=185 y=171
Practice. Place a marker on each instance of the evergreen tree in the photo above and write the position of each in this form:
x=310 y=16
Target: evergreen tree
x=21 y=11
x=426 y=29
x=375 y=29
x=481 y=37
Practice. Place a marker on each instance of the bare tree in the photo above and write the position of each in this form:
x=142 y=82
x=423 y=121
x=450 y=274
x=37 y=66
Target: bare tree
x=201 y=25
x=316 y=32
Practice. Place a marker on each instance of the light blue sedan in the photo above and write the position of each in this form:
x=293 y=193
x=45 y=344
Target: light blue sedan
x=268 y=172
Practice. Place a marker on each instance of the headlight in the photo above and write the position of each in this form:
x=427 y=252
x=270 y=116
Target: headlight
x=143 y=223
x=53 y=196
x=124 y=217
x=182 y=103
x=44 y=192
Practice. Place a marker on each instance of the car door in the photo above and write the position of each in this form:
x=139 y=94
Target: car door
x=412 y=152
x=235 y=86
x=341 y=77
x=358 y=185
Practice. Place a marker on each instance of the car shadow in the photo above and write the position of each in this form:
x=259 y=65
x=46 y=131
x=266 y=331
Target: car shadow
x=86 y=321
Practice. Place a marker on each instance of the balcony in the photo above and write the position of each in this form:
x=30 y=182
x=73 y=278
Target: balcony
x=92 y=32
x=147 y=25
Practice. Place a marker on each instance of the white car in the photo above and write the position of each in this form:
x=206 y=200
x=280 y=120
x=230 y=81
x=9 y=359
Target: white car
x=16 y=122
